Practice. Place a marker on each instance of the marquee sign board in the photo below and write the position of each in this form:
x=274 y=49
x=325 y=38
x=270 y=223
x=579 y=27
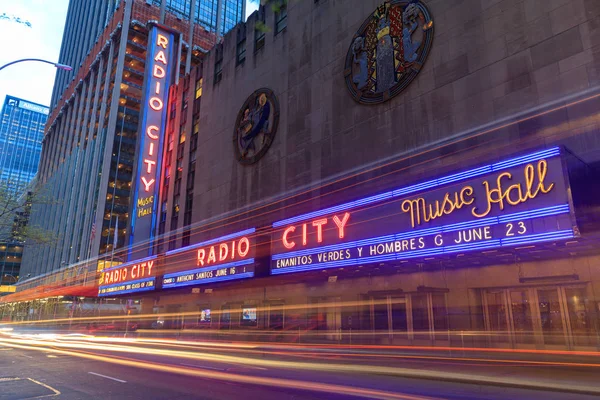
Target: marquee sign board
x=131 y=277
x=225 y=258
x=159 y=63
x=511 y=203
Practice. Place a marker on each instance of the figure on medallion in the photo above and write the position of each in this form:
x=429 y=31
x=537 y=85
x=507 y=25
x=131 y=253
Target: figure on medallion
x=386 y=75
x=254 y=123
x=410 y=24
x=361 y=77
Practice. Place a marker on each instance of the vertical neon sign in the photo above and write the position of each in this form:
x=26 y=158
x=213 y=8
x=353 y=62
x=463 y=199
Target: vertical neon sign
x=151 y=137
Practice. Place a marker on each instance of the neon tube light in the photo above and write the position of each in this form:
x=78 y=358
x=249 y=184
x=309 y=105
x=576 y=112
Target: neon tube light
x=525 y=215
x=552 y=152
x=488 y=244
x=212 y=241
x=206 y=269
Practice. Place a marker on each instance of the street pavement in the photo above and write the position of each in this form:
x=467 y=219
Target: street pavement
x=87 y=368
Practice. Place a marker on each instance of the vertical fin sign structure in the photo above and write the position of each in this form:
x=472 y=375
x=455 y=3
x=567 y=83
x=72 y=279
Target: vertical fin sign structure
x=161 y=46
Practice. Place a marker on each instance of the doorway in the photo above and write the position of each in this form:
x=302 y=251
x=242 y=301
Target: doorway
x=410 y=316
x=554 y=317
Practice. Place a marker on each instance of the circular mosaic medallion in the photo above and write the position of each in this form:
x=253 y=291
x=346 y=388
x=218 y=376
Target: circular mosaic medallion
x=256 y=126
x=388 y=51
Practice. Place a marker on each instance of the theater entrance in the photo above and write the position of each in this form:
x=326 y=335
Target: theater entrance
x=409 y=317
x=552 y=317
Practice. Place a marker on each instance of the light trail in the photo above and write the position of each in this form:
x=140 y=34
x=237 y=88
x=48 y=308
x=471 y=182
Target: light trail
x=231 y=377
x=277 y=205
x=96 y=350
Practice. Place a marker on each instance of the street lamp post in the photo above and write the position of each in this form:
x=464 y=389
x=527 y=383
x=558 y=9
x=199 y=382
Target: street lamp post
x=57 y=65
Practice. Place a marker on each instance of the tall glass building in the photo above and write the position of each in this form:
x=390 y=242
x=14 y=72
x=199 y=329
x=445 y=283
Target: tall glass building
x=21 y=134
x=232 y=12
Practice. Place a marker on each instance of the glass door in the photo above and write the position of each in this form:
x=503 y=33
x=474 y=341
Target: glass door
x=551 y=316
x=410 y=316
x=521 y=317
x=508 y=316
x=578 y=315
x=399 y=316
x=276 y=317
x=496 y=316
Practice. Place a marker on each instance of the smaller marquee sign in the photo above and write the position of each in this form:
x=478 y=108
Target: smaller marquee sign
x=131 y=277
x=224 y=258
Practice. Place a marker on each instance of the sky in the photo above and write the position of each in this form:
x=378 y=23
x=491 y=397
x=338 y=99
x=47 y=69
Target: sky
x=31 y=80
x=251 y=6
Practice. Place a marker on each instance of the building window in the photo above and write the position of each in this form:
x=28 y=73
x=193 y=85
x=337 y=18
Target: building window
x=259 y=39
x=219 y=66
x=281 y=19
x=185 y=100
x=173 y=238
x=173 y=111
x=190 y=181
x=185 y=240
x=241 y=52
x=198 y=88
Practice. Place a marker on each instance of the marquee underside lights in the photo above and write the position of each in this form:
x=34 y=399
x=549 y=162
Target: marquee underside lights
x=151 y=138
x=523 y=200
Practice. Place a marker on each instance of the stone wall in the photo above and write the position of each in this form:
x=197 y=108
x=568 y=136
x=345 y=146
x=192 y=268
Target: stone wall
x=501 y=70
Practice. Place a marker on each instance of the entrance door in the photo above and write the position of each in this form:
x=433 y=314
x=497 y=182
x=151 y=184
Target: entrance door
x=328 y=318
x=550 y=316
x=390 y=316
x=333 y=319
x=410 y=316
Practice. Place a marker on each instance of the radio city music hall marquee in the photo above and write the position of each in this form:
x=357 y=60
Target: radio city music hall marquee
x=137 y=276
x=224 y=258
x=515 y=202
x=151 y=138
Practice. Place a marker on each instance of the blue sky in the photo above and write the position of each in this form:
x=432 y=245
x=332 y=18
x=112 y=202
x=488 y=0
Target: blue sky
x=34 y=81
x=31 y=81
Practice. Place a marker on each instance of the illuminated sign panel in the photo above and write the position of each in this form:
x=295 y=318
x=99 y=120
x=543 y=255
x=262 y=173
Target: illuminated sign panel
x=516 y=202
x=225 y=258
x=33 y=107
x=131 y=277
x=161 y=46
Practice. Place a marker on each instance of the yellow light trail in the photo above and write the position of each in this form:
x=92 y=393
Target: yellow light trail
x=227 y=376
x=55 y=344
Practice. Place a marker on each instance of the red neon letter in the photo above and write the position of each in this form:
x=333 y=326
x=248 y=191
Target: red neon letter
x=156 y=104
x=147 y=184
x=304 y=235
x=223 y=251
x=288 y=245
x=149 y=132
x=160 y=56
x=201 y=255
x=150 y=266
x=157 y=87
x=158 y=72
x=243 y=241
x=134 y=272
x=151 y=150
x=150 y=164
x=341 y=224
x=211 y=255
x=162 y=41
x=319 y=225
